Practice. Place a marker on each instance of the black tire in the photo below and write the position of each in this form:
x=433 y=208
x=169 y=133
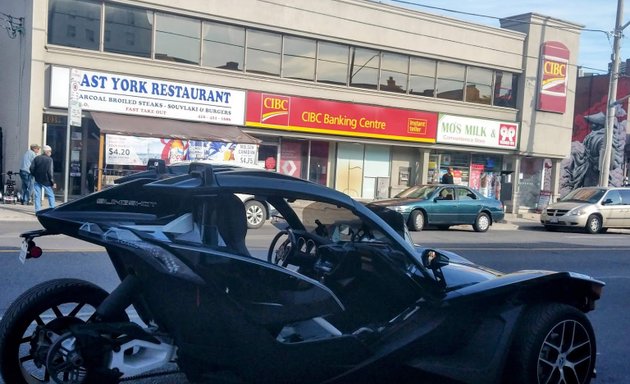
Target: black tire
x=417 y=221
x=593 y=224
x=55 y=301
x=482 y=222
x=550 y=338
x=256 y=214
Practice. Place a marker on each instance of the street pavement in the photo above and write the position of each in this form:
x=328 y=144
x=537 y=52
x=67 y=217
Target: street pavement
x=18 y=212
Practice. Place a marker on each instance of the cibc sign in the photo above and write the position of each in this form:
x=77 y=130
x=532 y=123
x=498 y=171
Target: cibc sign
x=554 y=63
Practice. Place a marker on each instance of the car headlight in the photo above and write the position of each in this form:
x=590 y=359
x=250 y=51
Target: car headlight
x=579 y=211
x=400 y=208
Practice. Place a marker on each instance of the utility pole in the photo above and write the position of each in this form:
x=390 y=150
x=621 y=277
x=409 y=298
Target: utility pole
x=612 y=95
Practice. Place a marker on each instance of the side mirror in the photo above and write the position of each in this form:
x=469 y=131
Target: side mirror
x=607 y=201
x=434 y=260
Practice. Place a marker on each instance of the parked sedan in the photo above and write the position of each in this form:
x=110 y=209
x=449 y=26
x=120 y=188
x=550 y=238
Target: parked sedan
x=445 y=205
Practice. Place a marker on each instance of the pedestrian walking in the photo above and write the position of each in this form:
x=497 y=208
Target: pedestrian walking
x=42 y=171
x=25 y=173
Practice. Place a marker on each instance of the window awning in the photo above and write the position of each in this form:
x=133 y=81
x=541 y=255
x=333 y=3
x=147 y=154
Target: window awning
x=143 y=126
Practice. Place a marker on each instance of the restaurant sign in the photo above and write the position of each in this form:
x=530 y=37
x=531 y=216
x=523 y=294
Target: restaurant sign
x=338 y=118
x=125 y=94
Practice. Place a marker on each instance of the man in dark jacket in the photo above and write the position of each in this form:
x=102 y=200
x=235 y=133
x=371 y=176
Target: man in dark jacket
x=42 y=171
x=448 y=176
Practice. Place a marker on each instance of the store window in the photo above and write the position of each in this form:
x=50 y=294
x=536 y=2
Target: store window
x=479 y=85
x=177 y=39
x=364 y=65
x=318 y=160
x=505 y=87
x=298 y=58
x=349 y=170
x=422 y=76
x=74 y=23
x=450 y=81
x=394 y=72
x=128 y=30
x=223 y=46
x=263 y=52
x=332 y=63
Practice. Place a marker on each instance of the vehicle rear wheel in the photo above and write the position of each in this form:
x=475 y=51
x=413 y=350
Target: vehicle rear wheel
x=256 y=214
x=553 y=343
x=416 y=221
x=593 y=224
x=482 y=223
x=53 y=305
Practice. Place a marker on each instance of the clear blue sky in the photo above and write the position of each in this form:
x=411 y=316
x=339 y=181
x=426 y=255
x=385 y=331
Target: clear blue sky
x=595 y=47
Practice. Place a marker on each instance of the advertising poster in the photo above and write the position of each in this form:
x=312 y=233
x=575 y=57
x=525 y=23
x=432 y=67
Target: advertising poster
x=475 y=177
x=246 y=154
x=291 y=159
x=131 y=150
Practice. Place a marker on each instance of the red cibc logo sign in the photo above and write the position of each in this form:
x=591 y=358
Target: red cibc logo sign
x=552 y=92
x=507 y=135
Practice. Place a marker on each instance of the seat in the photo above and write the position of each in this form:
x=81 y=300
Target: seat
x=232 y=223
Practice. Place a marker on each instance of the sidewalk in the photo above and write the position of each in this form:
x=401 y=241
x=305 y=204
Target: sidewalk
x=18 y=212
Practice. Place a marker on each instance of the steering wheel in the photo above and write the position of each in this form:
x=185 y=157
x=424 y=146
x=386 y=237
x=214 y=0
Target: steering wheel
x=285 y=251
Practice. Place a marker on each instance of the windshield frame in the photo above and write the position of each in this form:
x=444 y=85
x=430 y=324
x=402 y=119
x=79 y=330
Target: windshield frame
x=589 y=195
x=418 y=192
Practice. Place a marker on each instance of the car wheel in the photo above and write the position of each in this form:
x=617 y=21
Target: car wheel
x=482 y=223
x=53 y=306
x=416 y=221
x=256 y=214
x=553 y=343
x=593 y=224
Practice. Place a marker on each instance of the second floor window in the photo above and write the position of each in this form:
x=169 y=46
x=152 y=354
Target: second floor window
x=177 y=38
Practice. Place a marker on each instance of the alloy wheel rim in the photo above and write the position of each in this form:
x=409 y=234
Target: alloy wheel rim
x=566 y=354
x=484 y=222
x=254 y=215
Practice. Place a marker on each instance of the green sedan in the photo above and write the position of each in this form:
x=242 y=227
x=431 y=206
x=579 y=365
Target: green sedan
x=445 y=205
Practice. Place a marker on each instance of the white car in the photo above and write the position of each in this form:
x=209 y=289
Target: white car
x=594 y=209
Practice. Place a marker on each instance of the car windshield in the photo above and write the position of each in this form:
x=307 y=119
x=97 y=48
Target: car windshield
x=417 y=192
x=586 y=195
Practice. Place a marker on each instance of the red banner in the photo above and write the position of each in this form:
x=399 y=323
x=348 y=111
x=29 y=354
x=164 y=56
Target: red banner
x=554 y=61
x=337 y=118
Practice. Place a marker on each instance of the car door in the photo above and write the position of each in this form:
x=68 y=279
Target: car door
x=469 y=205
x=443 y=208
x=625 y=202
x=611 y=209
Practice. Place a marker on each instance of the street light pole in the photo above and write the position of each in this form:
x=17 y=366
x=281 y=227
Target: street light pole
x=612 y=95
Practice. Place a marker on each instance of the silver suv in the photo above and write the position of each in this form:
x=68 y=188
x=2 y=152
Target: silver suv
x=595 y=209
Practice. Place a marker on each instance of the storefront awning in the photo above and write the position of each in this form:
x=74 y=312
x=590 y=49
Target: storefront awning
x=143 y=126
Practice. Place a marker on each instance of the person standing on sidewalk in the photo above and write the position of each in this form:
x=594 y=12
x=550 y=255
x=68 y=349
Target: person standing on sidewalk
x=42 y=170
x=25 y=173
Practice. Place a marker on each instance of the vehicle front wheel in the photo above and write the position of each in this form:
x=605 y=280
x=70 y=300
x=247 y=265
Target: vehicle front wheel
x=256 y=214
x=593 y=224
x=52 y=307
x=553 y=343
x=416 y=221
x=482 y=223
